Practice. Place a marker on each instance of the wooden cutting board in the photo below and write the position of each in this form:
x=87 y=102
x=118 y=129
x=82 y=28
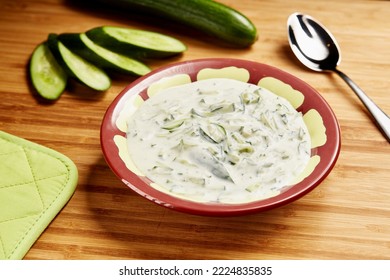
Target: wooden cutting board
x=346 y=217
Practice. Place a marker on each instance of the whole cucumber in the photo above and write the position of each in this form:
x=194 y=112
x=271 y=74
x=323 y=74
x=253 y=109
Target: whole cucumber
x=213 y=18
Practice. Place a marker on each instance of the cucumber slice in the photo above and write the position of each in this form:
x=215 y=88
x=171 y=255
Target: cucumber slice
x=213 y=133
x=47 y=76
x=136 y=43
x=86 y=48
x=77 y=67
x=172 y=125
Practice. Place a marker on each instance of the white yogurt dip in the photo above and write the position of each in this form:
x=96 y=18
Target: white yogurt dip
x=219 y=140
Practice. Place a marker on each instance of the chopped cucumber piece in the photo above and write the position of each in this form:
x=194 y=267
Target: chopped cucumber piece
x=222 y=108
x=171 y=125
x=77 y=67
x=197 y=113
x=86 y=48
x=136 y=43
x=197 y=181
x=252 y=188
x=251 y=97
x=213 y=133
x=47 y=76
x=216 y=132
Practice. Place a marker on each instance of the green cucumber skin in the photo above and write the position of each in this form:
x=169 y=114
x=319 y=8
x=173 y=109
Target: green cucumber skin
x=213 y=18
x=55 y=91
x=52 y=41
x=102 y=38
x=74 y=42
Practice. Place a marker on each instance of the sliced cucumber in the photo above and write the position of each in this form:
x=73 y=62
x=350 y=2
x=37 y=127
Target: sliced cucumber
x=86 y=48
x=172 y=125
x=136 y=43
x=47 y=76
x=213 y=133
x=77 y=67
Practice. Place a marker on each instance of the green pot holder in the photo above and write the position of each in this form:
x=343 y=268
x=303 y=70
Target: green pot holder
x=35 y=184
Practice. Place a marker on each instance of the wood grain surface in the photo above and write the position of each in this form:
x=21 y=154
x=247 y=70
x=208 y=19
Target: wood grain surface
x=345 y=217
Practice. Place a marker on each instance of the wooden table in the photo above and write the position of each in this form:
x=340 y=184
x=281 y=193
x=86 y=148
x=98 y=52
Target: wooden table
x=345 y=217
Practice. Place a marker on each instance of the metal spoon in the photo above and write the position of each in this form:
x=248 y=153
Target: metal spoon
x=316 y=48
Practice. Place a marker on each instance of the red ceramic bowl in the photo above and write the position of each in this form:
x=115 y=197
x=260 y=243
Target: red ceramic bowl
x=326 y=152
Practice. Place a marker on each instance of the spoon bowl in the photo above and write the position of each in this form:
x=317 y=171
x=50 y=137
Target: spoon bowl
x=318 y=50
x=312 y=43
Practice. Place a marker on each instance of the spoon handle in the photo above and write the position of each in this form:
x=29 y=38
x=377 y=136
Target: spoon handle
x=380 y=117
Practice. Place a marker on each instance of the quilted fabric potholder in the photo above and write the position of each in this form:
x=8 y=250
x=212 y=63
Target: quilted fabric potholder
x=35 y=184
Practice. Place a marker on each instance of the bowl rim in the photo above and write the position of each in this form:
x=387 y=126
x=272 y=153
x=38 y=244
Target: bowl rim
x=329 y=151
